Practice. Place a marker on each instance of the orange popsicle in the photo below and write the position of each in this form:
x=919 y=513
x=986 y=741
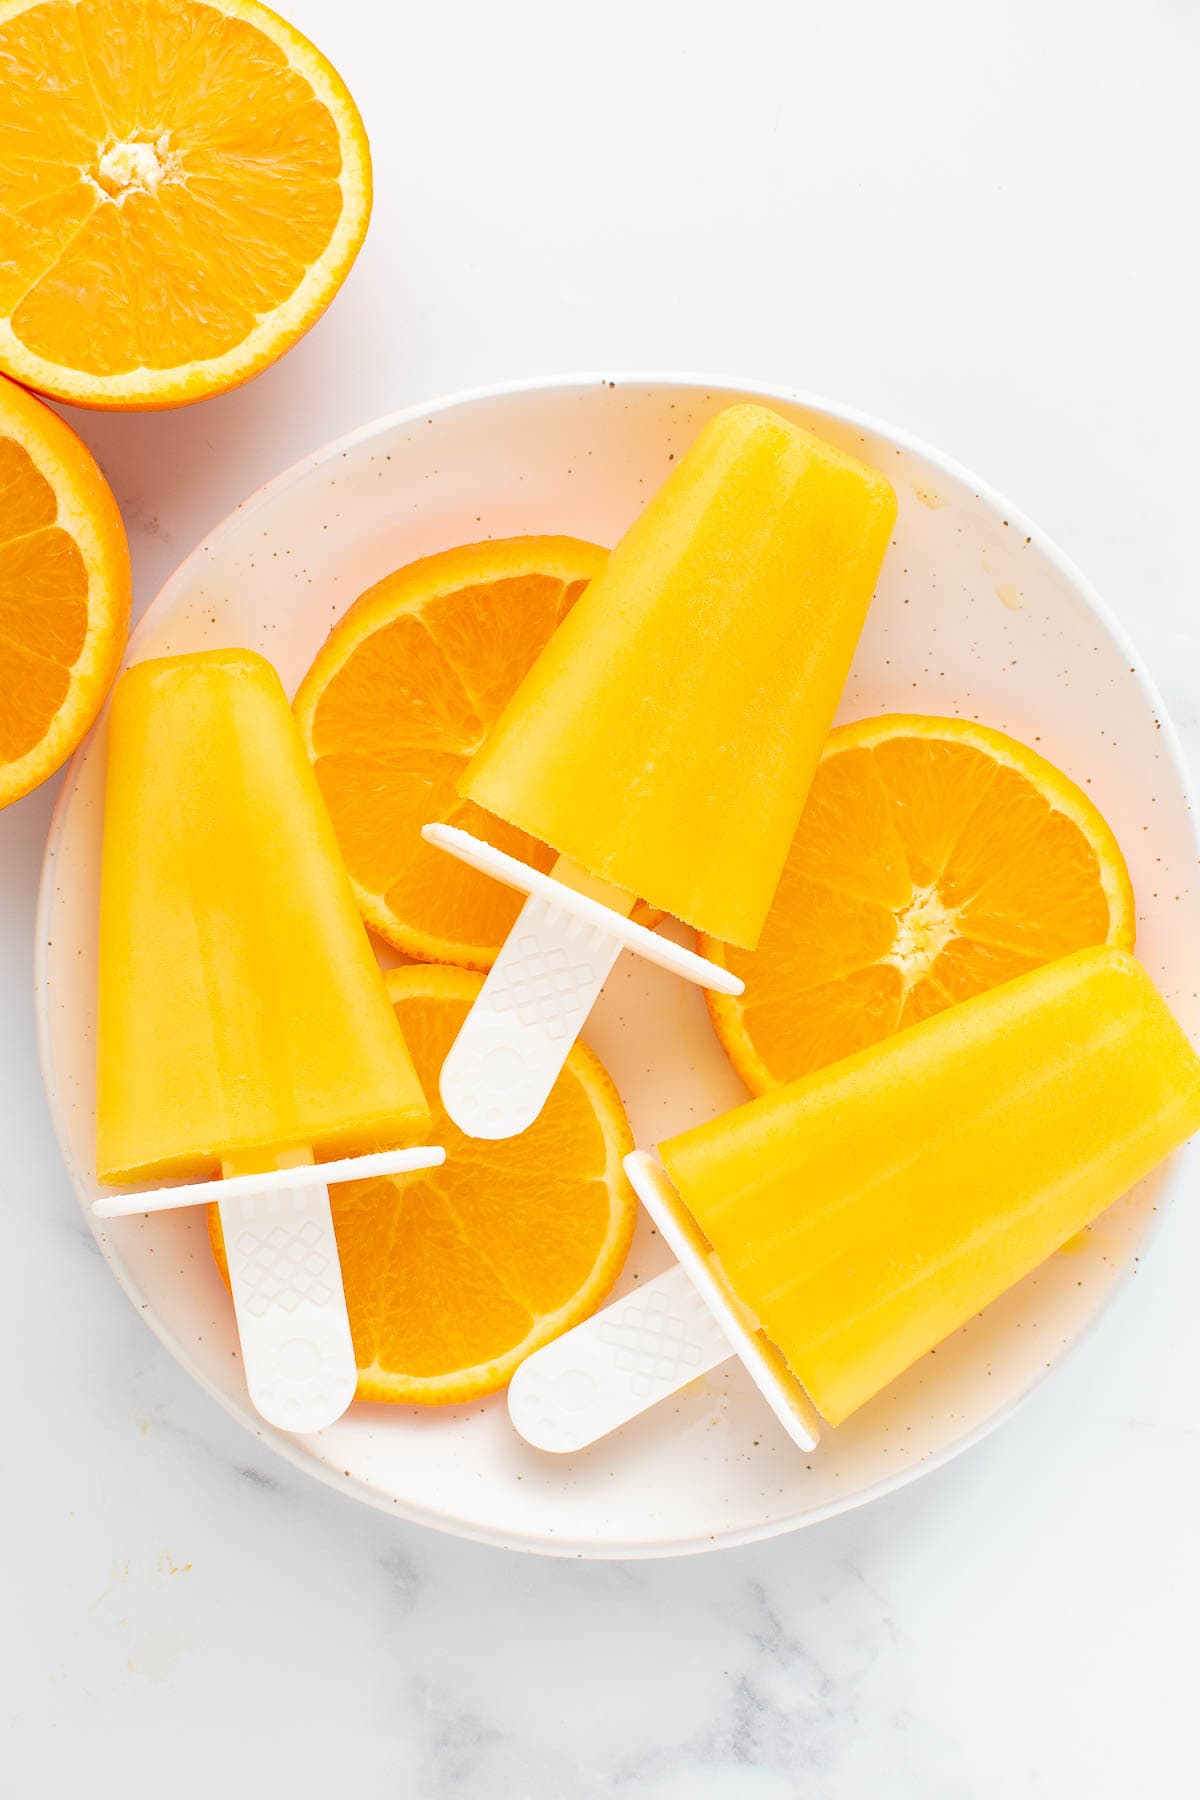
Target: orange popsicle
x=244 y=1027
x=831 y=1233
x=665 y=738
x=865 y=1212
x=242 y=1012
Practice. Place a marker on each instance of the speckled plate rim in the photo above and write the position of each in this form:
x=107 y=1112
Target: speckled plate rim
x=302 y=469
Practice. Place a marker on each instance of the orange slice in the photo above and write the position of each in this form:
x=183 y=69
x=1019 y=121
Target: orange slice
x=935 y=858
x=454 y=1275
x=398 y=700
x=64 y=591
x=184 y=185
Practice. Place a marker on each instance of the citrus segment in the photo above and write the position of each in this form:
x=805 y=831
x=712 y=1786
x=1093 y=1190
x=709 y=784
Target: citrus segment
x=64 y=591
x=406 y=687
x=935 y=858
x=866 y=864
x=196 y=171
x=1024 y=876
x=454 y=1275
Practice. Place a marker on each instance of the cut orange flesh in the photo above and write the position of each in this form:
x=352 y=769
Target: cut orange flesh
x=179 y=202
x=64 y=591
x=935 y=858
x=454 y=1275
x=395 y=705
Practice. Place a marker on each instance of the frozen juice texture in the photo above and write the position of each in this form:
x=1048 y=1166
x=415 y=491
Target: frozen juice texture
x=872 y=1208
x=242 y=1012
x=666 y=737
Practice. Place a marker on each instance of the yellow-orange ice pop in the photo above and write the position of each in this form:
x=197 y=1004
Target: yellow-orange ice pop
x=664 y=740
x=244 y=1027
x=666 y=737
x=242 y=1011
x=851 y=1221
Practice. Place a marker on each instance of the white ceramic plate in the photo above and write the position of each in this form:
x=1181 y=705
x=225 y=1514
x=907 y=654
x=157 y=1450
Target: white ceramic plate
x=976 y=614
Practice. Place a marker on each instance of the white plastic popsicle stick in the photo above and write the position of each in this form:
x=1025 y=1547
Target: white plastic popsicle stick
x=540 y=990
x=502 y=1065
x=638 y=1351
x=629 y=934
x=286 y=1277
x=652 y=1342
x=199 y=1193
x=290 y=1305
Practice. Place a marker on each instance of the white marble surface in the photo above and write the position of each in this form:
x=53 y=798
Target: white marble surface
x=975 y=220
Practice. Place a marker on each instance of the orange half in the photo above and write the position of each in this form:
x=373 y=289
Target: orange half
x=935 y=858
x=65 y=591
x=184 y=185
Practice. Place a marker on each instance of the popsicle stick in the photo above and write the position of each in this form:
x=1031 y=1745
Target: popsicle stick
x=632 y=936
x=284 y=1273
x=650 y=1344
x=290 y=1304
x=601 y=1374
x=502 y=1065
x=542 y=986
x=199 y=1193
